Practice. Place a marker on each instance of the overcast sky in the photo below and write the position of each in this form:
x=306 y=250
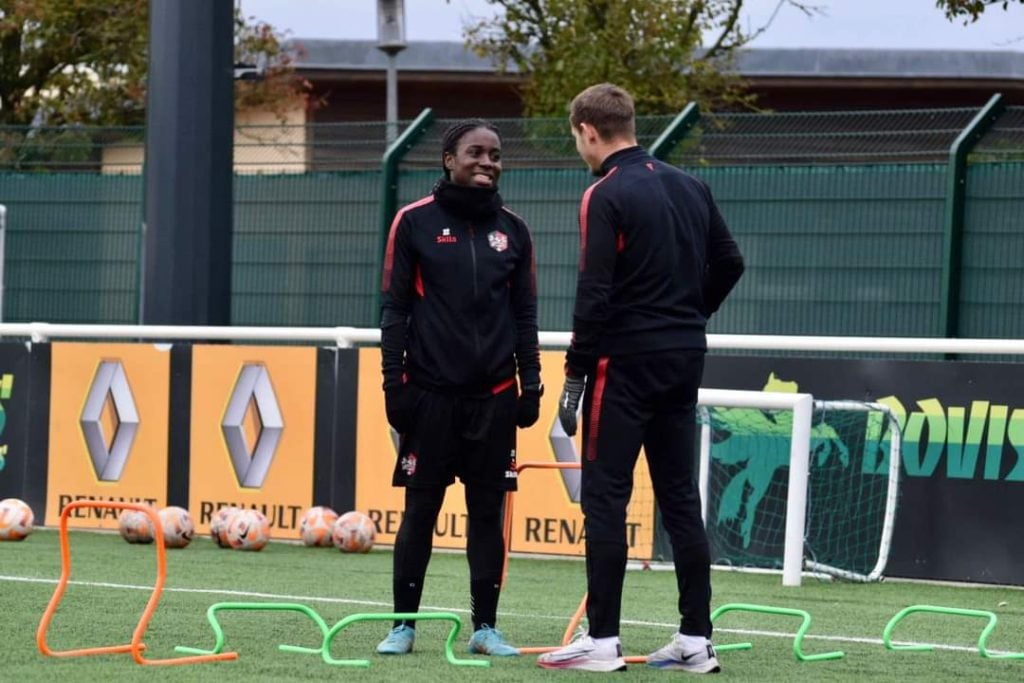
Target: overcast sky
x=896 y=24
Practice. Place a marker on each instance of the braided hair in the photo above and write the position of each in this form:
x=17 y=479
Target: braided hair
x=454 y=133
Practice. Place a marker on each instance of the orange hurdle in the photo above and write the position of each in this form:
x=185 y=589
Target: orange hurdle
x=136 y=646
x=577 y=616
x=510 y=500
x=507 y=532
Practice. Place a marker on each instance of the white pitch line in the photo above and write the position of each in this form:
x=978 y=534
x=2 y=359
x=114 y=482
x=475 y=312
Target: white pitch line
x=372 y=603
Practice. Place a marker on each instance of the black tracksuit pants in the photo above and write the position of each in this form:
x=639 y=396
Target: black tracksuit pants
x=631 y=401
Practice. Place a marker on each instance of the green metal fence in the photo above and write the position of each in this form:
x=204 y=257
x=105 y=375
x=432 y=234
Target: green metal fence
x=834 y=250
x=842 y=218
x=72 y=247
x=306 y=249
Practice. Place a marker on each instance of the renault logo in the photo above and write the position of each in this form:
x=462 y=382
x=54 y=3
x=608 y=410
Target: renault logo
x=109 y=403
x=252 y=404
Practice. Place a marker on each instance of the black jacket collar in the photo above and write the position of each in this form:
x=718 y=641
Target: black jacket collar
x=623 y=156
x=473 y=203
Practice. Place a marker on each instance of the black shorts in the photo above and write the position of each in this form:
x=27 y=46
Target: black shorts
x=473 y=439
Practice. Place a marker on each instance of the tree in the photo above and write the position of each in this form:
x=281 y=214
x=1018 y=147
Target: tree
x=970 y=10
x=665 y=52
x=85 y=62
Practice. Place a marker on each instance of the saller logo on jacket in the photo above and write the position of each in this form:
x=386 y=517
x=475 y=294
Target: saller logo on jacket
x=446 y=237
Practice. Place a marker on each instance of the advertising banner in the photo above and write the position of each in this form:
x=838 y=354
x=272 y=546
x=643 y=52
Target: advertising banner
x=14 y=407
x=252 y=433
x=962 y=476
x=547 y=517
x=108 y=428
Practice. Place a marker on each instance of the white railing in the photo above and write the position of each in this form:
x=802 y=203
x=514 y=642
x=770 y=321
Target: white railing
x=343 y=337
x=346 y=337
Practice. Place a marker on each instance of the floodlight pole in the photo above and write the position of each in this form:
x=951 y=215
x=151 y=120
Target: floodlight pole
x=391 y=41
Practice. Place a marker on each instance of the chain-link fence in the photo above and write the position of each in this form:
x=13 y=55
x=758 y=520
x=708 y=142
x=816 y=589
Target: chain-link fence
x=863 y=137
x=1004 y=141
x=747 y=139
x=842 y=217
x=66 y=148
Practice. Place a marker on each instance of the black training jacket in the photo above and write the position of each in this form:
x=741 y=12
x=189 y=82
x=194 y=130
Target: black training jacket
x=656 y=259
x=459 y=311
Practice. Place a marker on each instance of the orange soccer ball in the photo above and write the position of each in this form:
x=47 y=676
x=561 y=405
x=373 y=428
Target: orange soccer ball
x=178 y=527
x=248 y=530
x=317 y=526
x=135 y=526
x=219 y=523
x=354 y=533
x=16 y=519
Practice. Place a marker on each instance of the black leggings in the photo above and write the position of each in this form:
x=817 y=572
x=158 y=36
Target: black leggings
x=485 y=549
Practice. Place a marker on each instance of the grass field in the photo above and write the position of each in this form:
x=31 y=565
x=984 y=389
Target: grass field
x=108 y=594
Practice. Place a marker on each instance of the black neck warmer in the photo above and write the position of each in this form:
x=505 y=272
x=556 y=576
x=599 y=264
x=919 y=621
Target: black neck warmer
x=466 y=201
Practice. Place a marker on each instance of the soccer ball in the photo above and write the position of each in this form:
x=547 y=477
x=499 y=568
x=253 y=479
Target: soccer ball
x=353 y=533
x=219 y=525
x=135 y=526
x=177 y=526
x=15 y=519
x=317 y=525
x=248 y=530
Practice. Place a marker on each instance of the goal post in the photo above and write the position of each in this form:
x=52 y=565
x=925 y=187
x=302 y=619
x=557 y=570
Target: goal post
x=800 y=437
x=784 y=477
x=894 y=439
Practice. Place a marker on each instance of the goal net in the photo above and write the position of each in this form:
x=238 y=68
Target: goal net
x=795 y=484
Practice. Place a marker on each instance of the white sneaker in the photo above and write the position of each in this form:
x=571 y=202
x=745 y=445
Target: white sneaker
x=686 y=653
x=585 y=655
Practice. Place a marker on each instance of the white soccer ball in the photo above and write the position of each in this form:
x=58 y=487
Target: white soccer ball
x=248 y=530
x=177 y=526
x=135 y=526
x=317 y=525
x=16 y=519
x=354 y=533
x=219 y=523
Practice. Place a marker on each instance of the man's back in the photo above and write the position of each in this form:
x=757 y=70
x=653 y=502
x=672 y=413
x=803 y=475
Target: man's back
x=656 y=255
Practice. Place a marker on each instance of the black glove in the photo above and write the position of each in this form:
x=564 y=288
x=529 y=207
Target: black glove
x=400 y=404
x=528 y=407
x=569 y=402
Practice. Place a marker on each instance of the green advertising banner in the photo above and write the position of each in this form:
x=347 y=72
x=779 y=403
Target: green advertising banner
x=962 y=460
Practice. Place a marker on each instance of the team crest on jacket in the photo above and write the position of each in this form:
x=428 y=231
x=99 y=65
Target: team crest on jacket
x=408 y=464
x=498 y=240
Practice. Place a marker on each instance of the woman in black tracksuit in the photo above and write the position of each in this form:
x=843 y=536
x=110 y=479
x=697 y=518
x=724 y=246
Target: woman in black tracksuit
x=458 y=324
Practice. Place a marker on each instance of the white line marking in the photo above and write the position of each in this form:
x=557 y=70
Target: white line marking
x=373 y=603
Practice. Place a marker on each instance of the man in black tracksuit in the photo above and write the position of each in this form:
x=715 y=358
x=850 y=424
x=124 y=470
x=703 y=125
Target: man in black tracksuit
x=458 y=323
x=656 y=260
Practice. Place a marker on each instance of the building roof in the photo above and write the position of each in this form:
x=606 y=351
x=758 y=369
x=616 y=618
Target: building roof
x=362 y=55
x=451 y=56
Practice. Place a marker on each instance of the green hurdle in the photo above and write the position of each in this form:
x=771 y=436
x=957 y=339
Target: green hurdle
x=952 y=611
x=785 y=611
x=328 y=634
x=398 y=616
x=218 y=632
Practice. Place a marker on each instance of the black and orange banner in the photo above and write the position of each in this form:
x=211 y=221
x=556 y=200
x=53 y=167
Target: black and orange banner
x=14 y=420
x=108 y=428
x=252 y=432
x=547 y=516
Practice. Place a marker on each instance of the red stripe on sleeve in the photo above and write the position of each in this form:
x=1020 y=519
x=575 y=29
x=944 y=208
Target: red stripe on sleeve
x=584 y=211
x=389 y=252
